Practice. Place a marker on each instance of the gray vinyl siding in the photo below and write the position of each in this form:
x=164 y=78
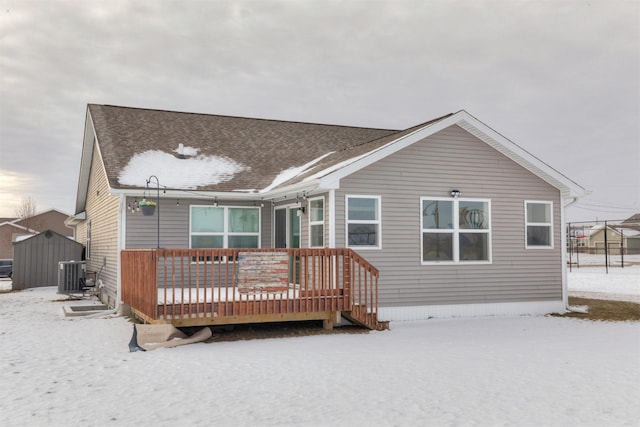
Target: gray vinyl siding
x=454 y=159
x=142 y=231
x=102 y=211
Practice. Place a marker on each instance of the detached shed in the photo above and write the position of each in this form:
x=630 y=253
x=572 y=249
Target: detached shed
x=35 y=259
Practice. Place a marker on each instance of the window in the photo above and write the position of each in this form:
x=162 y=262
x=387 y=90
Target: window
x=224 y=227
x=455 y=230
x=87 y=247
x=538 y=224
x=316 y=223
x=363 y=222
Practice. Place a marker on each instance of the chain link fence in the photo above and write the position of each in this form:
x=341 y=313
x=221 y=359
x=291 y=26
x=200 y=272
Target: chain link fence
x=608 y=243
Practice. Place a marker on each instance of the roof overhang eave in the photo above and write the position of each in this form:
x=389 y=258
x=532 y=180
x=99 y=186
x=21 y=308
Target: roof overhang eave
x=88 y=145
x=302 y=187
x=76 y=219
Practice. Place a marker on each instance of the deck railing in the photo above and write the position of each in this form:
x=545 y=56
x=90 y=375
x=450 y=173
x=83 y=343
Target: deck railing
x=201 y=286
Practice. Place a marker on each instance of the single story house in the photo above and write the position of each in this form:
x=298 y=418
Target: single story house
x=614 y=240
x=9 y=233
x=455 y=219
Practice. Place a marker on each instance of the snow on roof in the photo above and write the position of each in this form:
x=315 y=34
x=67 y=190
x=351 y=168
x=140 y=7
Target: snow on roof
x=179 y=173
x=291 y=173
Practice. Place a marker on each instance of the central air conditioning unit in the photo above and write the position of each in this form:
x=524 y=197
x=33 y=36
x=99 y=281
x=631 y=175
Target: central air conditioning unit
x=71 y=277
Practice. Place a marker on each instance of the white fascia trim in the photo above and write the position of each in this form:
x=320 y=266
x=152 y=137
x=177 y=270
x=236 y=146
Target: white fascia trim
x=85 y=163
x=425 y=312
x=290 y=191
x=466 y=121
x=20 y=227
x=76 y=219
x=122 y=227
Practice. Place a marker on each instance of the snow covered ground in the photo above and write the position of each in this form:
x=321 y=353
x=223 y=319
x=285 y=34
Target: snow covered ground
x=518 y=371
x=619 y=284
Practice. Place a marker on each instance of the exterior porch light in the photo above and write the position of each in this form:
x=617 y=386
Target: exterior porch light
x=455 y=193
x=301 y=208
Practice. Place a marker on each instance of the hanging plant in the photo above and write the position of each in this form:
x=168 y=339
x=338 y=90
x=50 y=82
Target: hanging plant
x=148 y=207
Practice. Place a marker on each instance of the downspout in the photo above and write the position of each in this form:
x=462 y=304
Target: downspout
x=122 y=230
x=563 y=244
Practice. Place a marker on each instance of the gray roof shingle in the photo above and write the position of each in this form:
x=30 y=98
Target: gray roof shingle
x=265 y=147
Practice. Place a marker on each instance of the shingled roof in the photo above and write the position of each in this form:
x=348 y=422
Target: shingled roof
x=261 y=149
x=239 y=155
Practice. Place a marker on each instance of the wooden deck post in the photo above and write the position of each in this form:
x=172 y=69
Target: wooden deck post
x=335 y=317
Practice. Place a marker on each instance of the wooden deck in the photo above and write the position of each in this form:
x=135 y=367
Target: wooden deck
x=188 y=287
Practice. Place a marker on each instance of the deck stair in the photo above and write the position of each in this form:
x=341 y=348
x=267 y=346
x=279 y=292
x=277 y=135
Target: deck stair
x=361 y=317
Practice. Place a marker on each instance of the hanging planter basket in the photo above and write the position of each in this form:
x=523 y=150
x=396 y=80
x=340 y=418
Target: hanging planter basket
x=148 y=208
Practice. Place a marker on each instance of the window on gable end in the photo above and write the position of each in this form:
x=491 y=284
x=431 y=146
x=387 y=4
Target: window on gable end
x=455 y=230
x=538 y=224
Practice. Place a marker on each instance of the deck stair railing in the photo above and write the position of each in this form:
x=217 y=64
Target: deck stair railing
x=206 y=286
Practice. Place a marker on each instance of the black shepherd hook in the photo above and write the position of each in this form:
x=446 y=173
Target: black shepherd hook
x=157 y=202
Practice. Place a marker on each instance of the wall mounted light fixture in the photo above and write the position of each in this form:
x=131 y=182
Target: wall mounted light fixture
x=455 y=193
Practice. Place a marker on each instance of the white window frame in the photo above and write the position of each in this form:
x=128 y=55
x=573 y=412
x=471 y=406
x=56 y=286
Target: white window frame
x=456 y=231
x=87 y=245
x=225 y=233
x=316 y=223
x=539 y=224
x=377 y=222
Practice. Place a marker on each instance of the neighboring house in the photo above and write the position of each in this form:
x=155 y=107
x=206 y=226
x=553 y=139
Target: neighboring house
x=633 y=222
x=625 y=235
x=9 y=232
x=457 y=219
x=615 y=239
x=12 y=229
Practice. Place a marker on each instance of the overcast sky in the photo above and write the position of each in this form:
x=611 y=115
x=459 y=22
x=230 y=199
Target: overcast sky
x=559 y=78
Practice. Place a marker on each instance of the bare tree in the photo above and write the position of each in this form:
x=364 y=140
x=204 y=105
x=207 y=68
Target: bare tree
x=26 y=210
